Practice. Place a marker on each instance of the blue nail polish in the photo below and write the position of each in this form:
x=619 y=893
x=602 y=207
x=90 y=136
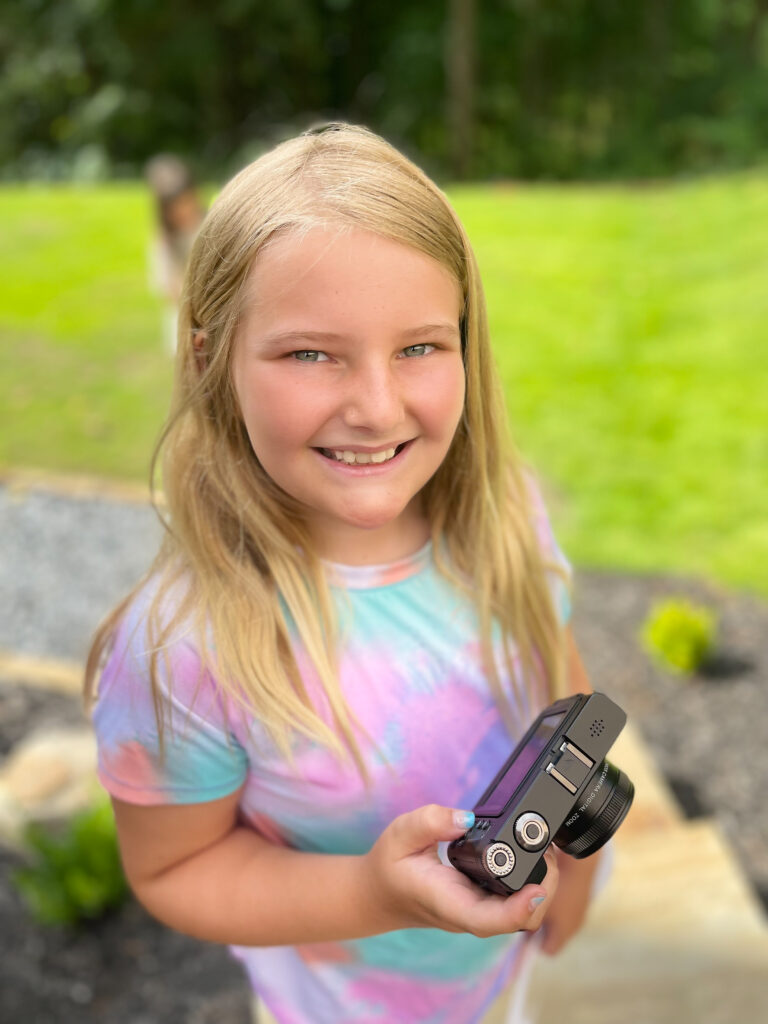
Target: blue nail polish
x=464 y=819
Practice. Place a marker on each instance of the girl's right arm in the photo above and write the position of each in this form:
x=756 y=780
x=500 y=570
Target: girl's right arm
x=199 y=871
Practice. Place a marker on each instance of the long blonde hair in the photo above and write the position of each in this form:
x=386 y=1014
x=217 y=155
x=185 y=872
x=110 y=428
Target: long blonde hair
x=236 y=547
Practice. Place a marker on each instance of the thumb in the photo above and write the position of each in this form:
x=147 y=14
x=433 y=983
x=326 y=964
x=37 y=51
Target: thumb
x=417 y=830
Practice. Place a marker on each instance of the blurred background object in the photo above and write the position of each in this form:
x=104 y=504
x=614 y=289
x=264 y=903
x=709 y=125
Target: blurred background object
x=179 y=213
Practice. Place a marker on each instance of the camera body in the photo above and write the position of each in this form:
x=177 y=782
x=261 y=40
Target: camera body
x=556 y=786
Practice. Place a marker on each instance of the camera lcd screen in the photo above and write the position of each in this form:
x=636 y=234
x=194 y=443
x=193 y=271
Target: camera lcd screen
x=498 y=797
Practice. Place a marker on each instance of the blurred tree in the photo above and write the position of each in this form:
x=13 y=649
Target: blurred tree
x=460 y=66
x=562 y=88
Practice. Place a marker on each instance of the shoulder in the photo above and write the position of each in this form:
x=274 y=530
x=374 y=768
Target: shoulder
x=540 y=519
x=156 y=653
x=557 y=566
x=149 y=620
x=163 y=727
x=534 y=496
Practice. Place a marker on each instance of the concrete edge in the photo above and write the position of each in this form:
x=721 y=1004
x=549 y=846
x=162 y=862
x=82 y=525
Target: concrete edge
x=43 y=673
x=75 y=485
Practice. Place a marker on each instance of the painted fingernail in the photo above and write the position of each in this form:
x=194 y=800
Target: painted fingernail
x=536 y=902
x=464 y=819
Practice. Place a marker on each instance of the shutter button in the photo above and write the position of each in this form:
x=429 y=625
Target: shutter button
x=531 y=831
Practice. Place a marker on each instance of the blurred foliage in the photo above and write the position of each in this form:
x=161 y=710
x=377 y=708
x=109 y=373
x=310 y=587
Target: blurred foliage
x=563 y=88
x=74 y=874
x=679 y=635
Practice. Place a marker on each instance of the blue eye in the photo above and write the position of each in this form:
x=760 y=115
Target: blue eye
x=309 y=355
x=418 y=350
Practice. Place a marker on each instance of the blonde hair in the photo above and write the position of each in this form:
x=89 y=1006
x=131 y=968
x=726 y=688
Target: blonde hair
x=236 y=547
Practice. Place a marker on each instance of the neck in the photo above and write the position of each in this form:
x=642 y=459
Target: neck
x=377 y=546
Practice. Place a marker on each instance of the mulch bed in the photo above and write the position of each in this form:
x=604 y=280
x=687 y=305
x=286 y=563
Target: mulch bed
x=126 y=969
x=707 y=735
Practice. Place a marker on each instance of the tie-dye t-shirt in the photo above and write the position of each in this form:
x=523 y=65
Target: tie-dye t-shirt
x=411 y=671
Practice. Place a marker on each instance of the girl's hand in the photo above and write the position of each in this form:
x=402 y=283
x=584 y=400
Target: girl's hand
x=568 y=912
x=411 y=888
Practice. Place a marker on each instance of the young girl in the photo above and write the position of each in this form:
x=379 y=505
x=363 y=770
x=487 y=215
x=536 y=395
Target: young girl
x=358 y=608
x=178 y=215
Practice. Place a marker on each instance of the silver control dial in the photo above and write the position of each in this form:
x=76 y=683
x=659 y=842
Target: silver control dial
x=499 y=859
x=531 y=831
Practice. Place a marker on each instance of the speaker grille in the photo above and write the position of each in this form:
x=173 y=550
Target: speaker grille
x=597 y=728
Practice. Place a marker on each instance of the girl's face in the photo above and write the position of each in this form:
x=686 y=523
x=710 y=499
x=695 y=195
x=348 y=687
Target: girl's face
x=185 y=212
x=347 y=366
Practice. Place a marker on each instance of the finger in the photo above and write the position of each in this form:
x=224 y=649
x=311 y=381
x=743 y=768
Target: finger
x=485 y=914
x=461 y=904
x=549 y=887
x=552 y=942
x=522 y=911
x=426 y=826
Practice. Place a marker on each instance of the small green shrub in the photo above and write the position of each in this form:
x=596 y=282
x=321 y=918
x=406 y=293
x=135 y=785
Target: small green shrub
x=679 y=635
x=74 y=874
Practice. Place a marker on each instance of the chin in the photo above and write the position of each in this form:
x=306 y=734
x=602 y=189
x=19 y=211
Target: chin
x=374 y=519
x=369 y=523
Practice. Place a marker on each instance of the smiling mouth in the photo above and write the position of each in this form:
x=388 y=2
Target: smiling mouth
x=350 y=458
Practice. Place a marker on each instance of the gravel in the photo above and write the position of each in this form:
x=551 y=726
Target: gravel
x=65 y=561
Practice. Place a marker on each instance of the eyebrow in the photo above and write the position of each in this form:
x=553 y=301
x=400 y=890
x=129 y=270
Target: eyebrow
x=323 y=336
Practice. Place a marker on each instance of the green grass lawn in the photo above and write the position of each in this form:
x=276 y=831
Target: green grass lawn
x=82 y=365
x=629 y=326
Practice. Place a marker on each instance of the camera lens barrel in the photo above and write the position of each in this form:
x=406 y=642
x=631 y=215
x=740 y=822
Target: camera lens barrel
x=604 y=805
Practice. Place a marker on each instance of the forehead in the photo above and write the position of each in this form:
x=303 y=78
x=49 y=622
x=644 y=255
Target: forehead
x=338 y=269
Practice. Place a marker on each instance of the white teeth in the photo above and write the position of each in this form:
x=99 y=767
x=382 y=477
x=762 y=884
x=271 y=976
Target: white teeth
x=361 y=458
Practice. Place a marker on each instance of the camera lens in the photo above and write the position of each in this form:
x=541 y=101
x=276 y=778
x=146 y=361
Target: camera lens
x=599 y=813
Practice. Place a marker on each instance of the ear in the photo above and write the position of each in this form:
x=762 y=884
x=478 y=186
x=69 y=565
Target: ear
x=200 y=347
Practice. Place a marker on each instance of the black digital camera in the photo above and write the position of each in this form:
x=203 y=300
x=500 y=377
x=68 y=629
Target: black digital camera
x=556 y=787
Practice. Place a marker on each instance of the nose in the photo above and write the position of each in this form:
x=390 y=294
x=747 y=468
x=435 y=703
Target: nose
x=374 y=400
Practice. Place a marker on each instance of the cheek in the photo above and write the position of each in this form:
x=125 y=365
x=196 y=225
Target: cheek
x=276 y=411
x=445 y=401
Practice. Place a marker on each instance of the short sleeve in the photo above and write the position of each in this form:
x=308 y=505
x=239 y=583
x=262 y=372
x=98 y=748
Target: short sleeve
x=200 y=759
x=559 y=572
